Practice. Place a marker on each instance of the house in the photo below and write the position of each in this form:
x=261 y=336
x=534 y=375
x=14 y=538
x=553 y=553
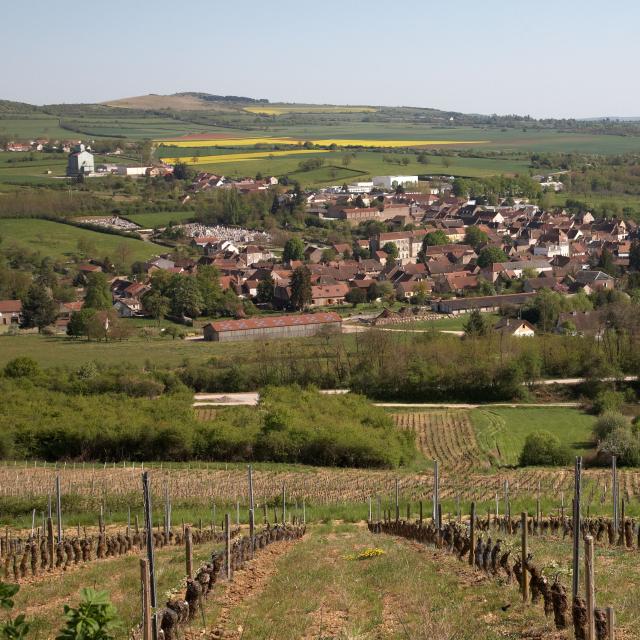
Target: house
x=515 y=327
x=128 y=307
x=10 y=313
x=292 y=326
x=581 y=323
x=595 y=280
x=328 y=294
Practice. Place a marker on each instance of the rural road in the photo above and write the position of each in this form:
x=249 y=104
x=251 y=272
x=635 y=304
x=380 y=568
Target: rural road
x=250 y=398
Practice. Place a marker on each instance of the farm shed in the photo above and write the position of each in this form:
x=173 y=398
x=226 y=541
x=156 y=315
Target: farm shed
x=299 y=326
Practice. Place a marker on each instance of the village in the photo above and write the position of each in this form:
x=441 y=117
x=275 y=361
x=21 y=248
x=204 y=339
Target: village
x=427 y=254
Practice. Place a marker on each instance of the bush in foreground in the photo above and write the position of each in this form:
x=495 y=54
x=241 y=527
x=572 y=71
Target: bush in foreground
x=544 y=449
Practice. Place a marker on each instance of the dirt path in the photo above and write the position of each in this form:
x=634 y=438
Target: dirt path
x=247 y=583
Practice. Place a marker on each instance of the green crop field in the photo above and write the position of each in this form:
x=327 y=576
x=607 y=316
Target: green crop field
x=60 y=240
x=36 y=126
x=504 y=429
x=364 y=166
x=160 y=218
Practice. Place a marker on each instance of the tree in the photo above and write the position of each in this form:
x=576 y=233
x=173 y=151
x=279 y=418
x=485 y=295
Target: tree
x=381 y=290
x=356 y=296
x=391 y=249
x=634 y=256
x=476 y=325
x=434 y=238
x=156 y=305
x=491 y=255
x=607 y=263
x=293 y=250
x=209 y=286
x=187 y=299
x=98 y=295
x=545 y=449
x=38 y=308
x=475 y=237
x=547 y=305
x=79 y=322
x=301 y=288
x=266 y=289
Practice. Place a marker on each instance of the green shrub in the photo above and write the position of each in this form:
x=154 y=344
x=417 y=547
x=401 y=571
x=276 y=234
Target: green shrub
x=94 y=619
x=623 y=444
x=545 y=449
x=607 y=423
x=22 y=367
x=607 y=401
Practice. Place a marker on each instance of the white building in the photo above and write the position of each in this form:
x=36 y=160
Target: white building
x=80 y=162
x=123 y=170
x=360 y=187
x=391 y=182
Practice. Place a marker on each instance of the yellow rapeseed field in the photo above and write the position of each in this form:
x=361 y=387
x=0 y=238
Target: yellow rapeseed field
x=240 y=157
x=339 y=142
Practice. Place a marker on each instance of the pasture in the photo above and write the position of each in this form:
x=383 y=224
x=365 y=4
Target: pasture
x=60 y=241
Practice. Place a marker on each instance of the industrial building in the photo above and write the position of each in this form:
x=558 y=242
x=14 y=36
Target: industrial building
x=391 y=182
x=80 y=162
x=298 y=326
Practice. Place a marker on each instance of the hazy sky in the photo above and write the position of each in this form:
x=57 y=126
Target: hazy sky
x=563 y=58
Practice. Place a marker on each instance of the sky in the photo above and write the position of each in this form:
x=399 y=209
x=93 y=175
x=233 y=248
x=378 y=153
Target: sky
x=567 y=58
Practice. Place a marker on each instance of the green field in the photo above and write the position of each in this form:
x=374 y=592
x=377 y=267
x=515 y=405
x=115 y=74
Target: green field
x=364 y=166
x=504 y=429
x=60 y=240
x=17 y=167
x=62 y=351
x=160 y=219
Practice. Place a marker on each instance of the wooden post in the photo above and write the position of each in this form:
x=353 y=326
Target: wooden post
x=622 y=516
x=420 y=512
x=408 y=511
x=252 y=509
x=148 y=524
x=59 y=508
x=614 y=496
x=284 y=504
x=146 y=599
x=525 y=552
x=611 y=624
x=50 y=544
x=370 y=510
x=188 y=544
x=576 y=527
x=589 y=587
x=434 y=509
x=379 y=507
x=227 y=544
x=397 y=502
x=472 y=534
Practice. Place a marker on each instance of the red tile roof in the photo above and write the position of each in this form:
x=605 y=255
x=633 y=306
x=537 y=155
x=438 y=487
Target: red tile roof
x=10 y=306
x=271 y=323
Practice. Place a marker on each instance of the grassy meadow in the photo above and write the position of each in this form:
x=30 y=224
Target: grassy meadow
x=60 y=240
x=504 y=429
x=160 y=218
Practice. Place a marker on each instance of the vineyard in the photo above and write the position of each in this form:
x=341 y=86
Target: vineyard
x=217 y=551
